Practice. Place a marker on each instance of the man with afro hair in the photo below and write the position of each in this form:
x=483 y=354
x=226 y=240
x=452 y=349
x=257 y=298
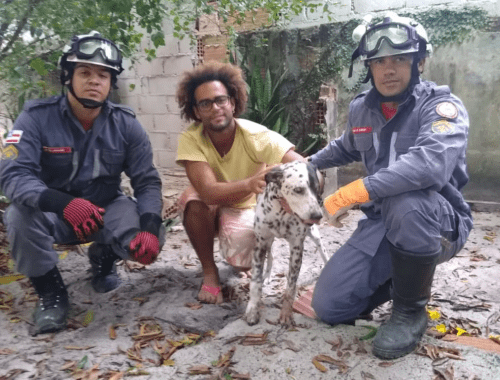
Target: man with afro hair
x=226 y=159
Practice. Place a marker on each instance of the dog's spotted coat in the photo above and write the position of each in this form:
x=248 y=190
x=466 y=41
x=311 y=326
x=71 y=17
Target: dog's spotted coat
x=288 y=208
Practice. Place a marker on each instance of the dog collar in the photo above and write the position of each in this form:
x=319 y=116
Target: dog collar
x=288 y=210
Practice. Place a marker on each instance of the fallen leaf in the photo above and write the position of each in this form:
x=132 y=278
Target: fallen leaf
x=367 y=375
x=68 y=365
x=89 y=317
x=63 y=255
x=495 y=339
x=433 y=314
x=200 y=369
x=441 y=328
x=112 y=332
x=193 y=305
x=385 y=364
x=77 y=348
x=319 y=366
x=291 y=345
x=169 y=362
x=225 y=359
x=141 y=300
x=447 y=373
x=242 y=376
x=116 y=376
x=371 y=334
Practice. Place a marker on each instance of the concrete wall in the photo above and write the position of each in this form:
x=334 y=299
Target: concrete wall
x=153 y=95
x=470 y=69
x=347 y=9
x=472 y=72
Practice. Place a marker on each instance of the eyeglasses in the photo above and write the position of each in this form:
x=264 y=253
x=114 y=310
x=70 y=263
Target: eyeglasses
x=206 y=104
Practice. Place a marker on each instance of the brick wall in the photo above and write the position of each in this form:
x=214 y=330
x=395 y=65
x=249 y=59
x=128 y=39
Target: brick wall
x=153 y=95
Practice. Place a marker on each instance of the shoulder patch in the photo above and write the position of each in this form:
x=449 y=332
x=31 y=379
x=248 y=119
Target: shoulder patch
x=442 y=126
x=10 y=152
x=447 y=110
x=14 y=136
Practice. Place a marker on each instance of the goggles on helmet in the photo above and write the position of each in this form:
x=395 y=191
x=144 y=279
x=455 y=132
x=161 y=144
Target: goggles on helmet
x=398 y=36
x=89 y=47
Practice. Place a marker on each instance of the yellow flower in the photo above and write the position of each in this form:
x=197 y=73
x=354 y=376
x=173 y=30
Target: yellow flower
x=441 y=328
x=460 y=331
x=434 y=314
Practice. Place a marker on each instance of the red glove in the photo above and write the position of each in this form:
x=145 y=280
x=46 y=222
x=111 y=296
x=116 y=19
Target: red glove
x=84 y=216
x=145 y=247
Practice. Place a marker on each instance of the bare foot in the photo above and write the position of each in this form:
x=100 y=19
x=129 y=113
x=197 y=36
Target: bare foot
x=210 y=291
x=243 y=272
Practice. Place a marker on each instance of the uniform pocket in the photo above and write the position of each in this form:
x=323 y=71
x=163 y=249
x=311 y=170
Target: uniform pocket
x=56 y=168
x=363 y=141
x=112 y=161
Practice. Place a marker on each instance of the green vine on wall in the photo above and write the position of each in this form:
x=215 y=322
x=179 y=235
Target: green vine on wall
x=332 y=46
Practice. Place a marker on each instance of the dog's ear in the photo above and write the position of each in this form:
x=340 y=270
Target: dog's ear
x=275 y=175
x=316 y=179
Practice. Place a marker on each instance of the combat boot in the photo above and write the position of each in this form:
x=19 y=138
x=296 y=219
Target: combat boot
x=102 y=261
x=52 y=307
x=412 y=276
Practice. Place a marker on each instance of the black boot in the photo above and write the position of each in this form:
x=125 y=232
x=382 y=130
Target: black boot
x=53 y=305
x=102 y=262
x=412 y=276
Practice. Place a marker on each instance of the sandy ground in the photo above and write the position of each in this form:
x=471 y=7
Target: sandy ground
x=152 y=327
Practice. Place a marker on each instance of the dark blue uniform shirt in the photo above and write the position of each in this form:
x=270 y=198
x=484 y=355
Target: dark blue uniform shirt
x=422 y=147
x=49 y=148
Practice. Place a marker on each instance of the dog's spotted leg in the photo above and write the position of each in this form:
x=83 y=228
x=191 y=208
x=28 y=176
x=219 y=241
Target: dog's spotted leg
x=269 y=266
x=252 y=314
x=286 y=315
x=313 y=233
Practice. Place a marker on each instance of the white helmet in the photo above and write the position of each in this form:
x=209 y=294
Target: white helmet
x=92 y=48
x=394 y=35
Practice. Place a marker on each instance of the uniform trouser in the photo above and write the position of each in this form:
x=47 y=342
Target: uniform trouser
x=417 y=222
x=32 y=233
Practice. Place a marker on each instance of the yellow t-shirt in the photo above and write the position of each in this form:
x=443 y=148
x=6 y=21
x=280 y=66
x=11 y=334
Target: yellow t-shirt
x=254 y=146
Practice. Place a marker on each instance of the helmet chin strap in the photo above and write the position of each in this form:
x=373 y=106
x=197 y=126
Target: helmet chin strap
x=86 y=103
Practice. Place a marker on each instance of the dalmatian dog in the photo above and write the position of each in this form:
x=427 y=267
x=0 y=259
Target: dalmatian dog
x=289 y=208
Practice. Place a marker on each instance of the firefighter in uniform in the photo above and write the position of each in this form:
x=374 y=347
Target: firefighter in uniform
x=411 y=136
x=61 y=169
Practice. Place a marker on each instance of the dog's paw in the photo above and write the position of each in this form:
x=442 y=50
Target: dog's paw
x=252 y=315
x=286 y=320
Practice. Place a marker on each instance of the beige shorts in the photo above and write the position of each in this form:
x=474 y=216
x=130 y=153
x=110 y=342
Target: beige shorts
x=234 y=229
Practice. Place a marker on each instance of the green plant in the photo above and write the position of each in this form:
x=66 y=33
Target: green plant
x=265 y=105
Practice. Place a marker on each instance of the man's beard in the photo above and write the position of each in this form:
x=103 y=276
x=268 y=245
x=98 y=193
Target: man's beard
x=221 y=126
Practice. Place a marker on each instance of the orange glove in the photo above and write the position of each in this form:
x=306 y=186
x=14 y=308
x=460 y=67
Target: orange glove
x=355 y=192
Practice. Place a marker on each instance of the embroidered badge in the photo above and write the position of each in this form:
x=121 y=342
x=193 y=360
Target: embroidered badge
x=57 y=149
x=10 y=152
x=357 y=130
x=447 y=110
x=442 y=126
x=14 y=136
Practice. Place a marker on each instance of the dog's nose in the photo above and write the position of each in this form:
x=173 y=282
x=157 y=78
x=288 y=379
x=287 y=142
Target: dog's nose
x=316 y=215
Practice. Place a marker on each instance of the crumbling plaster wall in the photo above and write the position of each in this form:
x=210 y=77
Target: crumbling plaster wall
x=472 y=77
